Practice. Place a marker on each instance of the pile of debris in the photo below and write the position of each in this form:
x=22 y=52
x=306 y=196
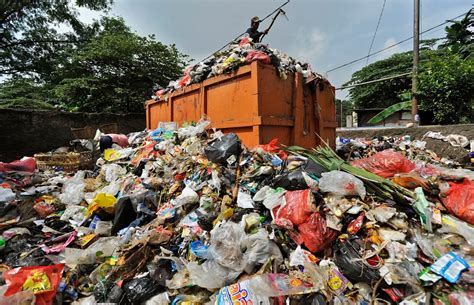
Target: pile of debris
x=241 y=52
x=186 y=216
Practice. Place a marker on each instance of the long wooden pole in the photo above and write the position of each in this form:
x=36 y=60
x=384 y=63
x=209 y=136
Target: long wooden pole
x=416 y=60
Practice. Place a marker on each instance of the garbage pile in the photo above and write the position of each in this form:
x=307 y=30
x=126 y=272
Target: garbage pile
x=189 y=216
x=241 y=52
x=415 y=149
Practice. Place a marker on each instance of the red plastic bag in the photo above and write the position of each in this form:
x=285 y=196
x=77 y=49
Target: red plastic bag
x=274 y=147
x=298 y=207
x=386 y=163
x=159 y=93
x=42 y=280
x=258 y=55
x=44 y=209
x=243 y=41
x=26 y=164
x=459 y=200
x=315 y=233
x=186 y=78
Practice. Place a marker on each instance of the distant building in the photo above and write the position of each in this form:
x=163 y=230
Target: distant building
x=400 y=118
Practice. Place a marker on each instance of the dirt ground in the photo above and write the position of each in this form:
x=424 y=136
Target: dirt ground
x=441 y=148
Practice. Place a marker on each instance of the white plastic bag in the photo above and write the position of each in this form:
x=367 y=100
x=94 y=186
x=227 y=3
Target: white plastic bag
x=225 y=245
x=341 y=184
x=259 y=248
x=112 y=171
x=191 y=131
x=210 y=274
x=244 y=200
x=6 y=194
x=73 y=189
x=186 y=197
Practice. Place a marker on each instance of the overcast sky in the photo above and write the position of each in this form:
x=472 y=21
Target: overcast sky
x=325 y=33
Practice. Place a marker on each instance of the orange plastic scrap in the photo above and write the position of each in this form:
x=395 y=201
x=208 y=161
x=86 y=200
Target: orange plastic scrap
x=411 y=181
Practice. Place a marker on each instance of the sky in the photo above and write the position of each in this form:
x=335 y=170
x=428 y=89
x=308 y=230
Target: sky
x=325 y=33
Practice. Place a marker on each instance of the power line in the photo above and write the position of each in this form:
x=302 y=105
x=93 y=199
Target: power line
x=376 y=29
x=393 y=45
x=375 y=81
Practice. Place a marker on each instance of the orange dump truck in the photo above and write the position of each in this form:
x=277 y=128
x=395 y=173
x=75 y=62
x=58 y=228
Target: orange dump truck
x=257 y=105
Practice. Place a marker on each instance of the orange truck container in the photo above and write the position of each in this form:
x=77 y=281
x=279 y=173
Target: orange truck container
x=257 y=105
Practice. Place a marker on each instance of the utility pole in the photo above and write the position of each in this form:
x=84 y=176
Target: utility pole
x=416 y=59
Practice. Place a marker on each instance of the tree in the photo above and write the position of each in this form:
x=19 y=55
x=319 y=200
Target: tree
x=381 y=94
x=115 y=71
x=23 y=93
x=30 y=42
x=459 y=35
x=445 y=89
x=103 y=66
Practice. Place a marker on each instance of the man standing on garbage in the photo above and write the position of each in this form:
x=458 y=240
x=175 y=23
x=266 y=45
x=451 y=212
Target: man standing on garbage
x=253 y=30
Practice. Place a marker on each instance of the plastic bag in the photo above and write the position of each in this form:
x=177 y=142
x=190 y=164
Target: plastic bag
x=6 y=194
x=112 y=171
x=43 y=281
x=188 y=196
x=293 y=180
x=341 y=184
x=316 y=235
x=225 y=245
x=259 y=248
x=107 y=246
x=140 y=289
x=26 y=164
x=43 y=209
x=103 y=228
x=298 y=207
x=411 y=181
x=271 y=197
x=74 y=212
x=349 y=261
x=124 y=214
x=221 y=150
x=257 y=55
x=73 y=189
x=244 y=200
x=159 y=299
x=192 y=131
x=20 y=298
x=454 y=225
x=211 y=275
x=459 y=200
x=104 y=201
x=386 y=163
x=276 y=284
x=274 y=148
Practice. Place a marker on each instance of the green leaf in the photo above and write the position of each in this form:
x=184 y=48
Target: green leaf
x=382 y=115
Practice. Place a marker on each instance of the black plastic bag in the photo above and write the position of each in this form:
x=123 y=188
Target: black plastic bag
x=124 y=214
x=141 y=289
x=292 y=181
x=160 y=271
x=347 y=257
x=220 y=150
x=312 y=299
x=314 y=169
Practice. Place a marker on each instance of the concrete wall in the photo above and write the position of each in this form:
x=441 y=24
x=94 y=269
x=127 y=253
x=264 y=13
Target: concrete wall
x=25 y=132
x=415 y=132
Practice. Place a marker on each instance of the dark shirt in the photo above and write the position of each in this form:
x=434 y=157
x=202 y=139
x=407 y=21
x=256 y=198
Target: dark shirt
x=254 y=34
